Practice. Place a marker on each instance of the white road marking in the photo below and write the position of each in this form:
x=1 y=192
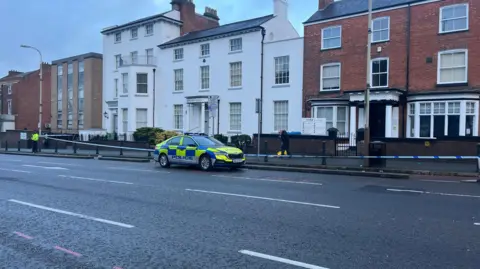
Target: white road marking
x=439 y=181
x=436 y=193
x=279 y=259
x=478 y=224
x=14 y=170
x=271 y=180
x=264 y=198
x=45 y=167
x=68 y=164
x=138 y=170
x=73 y=214
x=95 y=179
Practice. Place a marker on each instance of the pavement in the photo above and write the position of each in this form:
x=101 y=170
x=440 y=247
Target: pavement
x=86 y=213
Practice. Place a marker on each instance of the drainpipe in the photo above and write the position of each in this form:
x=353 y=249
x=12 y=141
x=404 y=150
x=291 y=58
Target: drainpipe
x=153 y=109
x=260 y=111
x=407 y=79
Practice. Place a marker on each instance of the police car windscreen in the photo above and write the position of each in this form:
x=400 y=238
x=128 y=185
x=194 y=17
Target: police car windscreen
x=208 y=141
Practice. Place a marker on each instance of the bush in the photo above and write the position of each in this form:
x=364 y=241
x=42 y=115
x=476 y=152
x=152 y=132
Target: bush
x=222 y=138
x=241 y=141
x=146 y=134
x=164 y=135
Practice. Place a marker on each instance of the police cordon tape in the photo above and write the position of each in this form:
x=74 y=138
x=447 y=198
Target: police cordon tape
x=290 y=156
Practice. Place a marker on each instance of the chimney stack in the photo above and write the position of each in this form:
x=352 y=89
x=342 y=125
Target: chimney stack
x=13 y=72
x=211 y=13
x=322 y=4
x=280 y=8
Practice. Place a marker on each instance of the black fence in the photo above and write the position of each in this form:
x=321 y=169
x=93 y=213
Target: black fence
x=346 y=144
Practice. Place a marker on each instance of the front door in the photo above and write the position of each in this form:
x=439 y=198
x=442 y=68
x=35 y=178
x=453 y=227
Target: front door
x=172 y=150
x=377 y=120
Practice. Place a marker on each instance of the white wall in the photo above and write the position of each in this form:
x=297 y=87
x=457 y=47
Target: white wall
x=163 y=31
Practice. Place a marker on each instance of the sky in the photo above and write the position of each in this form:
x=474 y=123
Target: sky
x=64 y=28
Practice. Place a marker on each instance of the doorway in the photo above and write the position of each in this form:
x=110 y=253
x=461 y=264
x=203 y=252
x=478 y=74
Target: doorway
x=377 y=120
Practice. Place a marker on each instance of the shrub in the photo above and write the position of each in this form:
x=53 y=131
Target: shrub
x=164 y=135
x=241 y=141
x=146 y=134
x=222 y=138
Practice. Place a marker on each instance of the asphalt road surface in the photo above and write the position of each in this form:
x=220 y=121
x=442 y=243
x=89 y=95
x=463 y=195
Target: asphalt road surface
x=69 y=213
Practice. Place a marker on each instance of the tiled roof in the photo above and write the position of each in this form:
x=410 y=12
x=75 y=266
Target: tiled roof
x=351 y=7
x=220 y=30
x=139 y=21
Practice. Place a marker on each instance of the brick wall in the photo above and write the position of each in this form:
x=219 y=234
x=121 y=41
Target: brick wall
x=192 y=21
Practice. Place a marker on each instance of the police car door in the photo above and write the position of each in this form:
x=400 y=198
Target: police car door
x=172 y=149
x=190 y=147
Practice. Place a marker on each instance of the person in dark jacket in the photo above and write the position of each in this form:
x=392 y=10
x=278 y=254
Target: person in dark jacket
x=285 y=143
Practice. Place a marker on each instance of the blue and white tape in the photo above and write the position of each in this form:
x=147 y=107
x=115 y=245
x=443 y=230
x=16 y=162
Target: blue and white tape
x=369 y=157
x=99 y=145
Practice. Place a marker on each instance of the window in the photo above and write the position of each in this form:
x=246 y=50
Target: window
x=81 y=67
x=335 y=116
x=236 y=44
x=470 y=118
x=116 y=87
x=178 y=117
x=332 y=37
x=379 y=73
x=59 y=96
x=330 y=77
x=142 y=83
x=134 y=33
x=9 y=106
x=381 y=29
x=205 y=77
x=282 y=70
x=235 y=116
x=204 y=49
x=178 y=54
x=452 y=67
x=178 y=73
x=70 y=96
x=174 y=141
x=149 y=29
x=453 y=18
x=125 y=120
x=411 y=120
x=80 y=120
x=187 y=141
x=9 y=88
x=70 y=120
x=59 y=120
x=118 y=61
x=134 y=57
x=141 y=117
x=280 y=115
x=118 y=37
x=125 y=82
x=149 y=53
x=236 y=74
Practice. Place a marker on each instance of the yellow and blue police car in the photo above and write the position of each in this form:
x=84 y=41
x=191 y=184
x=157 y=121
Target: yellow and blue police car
x=199 y=150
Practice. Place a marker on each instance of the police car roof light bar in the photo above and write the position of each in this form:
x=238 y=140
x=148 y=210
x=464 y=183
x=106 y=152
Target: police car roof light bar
x=198 y=134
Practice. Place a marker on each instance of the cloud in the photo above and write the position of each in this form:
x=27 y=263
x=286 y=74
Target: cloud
x=63 y=28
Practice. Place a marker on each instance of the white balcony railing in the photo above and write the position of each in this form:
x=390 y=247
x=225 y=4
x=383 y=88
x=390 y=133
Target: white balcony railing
x=137 y=60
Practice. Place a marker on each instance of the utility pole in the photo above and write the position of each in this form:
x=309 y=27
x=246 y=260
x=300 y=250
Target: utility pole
x=40 y=110
x=369 y=84
x=153 y=110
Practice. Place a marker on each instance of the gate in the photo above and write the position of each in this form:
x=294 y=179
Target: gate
x=346 y=144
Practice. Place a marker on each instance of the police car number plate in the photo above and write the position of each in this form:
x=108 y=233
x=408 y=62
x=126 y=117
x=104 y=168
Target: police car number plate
x=237 y=160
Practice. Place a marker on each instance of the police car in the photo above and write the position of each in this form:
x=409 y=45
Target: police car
x=199 y=150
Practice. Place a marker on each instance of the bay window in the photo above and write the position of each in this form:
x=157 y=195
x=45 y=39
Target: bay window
x=335 y=116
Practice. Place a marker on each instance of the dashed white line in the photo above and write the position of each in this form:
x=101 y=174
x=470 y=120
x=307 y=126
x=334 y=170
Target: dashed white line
x=67 y=164
x=271 y=180
x=45 y=167
x=436 y=193
x=439 y=181
x=72 y=214
x=14 y=170
x=138 y=170
x=282 y=260
x=96 y=179
x=264 y=198
x=478 y=224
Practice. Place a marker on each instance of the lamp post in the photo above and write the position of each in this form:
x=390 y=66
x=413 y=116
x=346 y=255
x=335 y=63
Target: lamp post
x=40 y=110
x=153 y=110
x=369 y=84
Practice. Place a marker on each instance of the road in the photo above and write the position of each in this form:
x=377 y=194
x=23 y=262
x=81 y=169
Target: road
x=69 y=213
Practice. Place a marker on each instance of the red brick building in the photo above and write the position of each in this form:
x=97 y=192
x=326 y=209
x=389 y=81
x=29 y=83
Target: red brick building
x=20 y=97
x=425 y=67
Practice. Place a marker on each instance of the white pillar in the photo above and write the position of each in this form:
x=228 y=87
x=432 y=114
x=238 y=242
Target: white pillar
x=388 y=121
x=186 y=120
x=202 y=118
x=463 y=112
x=353 y=124
x=361 y=117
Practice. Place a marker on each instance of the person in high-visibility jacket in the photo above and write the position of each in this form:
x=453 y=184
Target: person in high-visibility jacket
x=35 y=137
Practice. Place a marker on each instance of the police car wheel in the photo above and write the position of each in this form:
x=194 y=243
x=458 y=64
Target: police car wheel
x=205 y=163
x=163 y=160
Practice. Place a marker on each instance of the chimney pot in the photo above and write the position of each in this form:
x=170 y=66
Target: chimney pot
x=322 y=4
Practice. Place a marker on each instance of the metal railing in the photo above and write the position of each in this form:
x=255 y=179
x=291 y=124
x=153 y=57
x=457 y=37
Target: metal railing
x=137 y=60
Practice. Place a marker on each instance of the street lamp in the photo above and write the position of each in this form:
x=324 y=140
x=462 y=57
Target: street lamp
x=40 y=110
x=366 y=139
